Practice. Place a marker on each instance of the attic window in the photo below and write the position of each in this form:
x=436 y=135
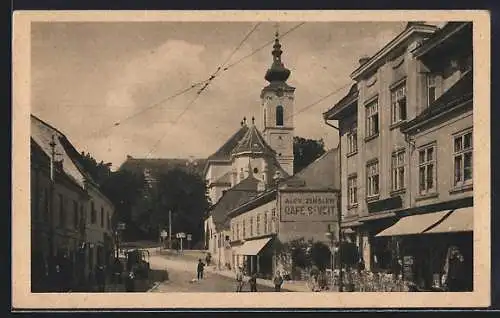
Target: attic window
x=255 y=170
x=279 y=155
x=255 y=145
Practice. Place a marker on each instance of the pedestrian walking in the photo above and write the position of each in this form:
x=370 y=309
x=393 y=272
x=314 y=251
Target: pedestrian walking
x=239 y=279
x=200 y=269
x=278 y=281
x=454 y=270
x=253 y=282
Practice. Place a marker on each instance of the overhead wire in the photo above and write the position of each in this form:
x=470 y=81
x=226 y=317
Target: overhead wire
x=205 y=85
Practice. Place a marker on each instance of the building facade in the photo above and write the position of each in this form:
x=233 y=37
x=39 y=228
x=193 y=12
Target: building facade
x=62 y=196
x=303 y=206
x=393 y=133
x=250 y=153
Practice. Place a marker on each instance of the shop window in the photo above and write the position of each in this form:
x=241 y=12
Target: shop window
x=427 y=169
x=398 y=170
x=352 y=184
x=279 y=115
x=462 y=158
x=372 y=124
x=398 y=103
x=431 y=89
x=372 y=179
x=352 y=139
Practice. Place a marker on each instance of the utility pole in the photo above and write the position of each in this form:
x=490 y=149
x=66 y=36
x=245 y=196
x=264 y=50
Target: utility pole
x=169 y=229
x=52 y=145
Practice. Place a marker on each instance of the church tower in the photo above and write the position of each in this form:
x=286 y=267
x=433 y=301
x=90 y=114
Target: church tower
x=277 y=110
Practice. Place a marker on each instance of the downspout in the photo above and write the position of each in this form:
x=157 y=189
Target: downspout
x=339 y=212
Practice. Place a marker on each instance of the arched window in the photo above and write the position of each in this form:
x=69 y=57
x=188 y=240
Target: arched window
x=279 y=115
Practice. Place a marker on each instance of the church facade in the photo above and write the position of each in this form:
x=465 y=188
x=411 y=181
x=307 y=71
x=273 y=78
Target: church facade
x=252 y=159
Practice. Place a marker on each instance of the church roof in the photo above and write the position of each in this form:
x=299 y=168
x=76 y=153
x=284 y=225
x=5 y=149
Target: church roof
x=253 y=142
x=224 y=152
x=321 y=174
x=232 y=198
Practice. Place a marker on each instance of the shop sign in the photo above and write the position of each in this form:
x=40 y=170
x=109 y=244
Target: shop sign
x=308 y=206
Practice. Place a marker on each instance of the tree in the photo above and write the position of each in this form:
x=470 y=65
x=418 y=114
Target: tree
x=184 y=194
x=320 y=255
x=305 y=151
x=125 y=190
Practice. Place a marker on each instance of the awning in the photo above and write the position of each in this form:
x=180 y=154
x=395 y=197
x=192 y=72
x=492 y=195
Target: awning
x=252 y=247
x=413 y=224
x=460 y=220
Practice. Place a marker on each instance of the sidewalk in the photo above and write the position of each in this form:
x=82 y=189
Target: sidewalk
x=293 y=286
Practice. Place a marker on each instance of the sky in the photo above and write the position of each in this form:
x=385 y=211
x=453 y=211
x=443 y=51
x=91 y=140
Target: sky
x=87 y=76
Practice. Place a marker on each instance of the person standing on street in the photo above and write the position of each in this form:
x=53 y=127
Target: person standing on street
x=100 y=278
x=239 y=279
x=278 y=281
x=130 y=281
x=454 y=270
x=253 y=282
x=200 y=269
x=208 y=258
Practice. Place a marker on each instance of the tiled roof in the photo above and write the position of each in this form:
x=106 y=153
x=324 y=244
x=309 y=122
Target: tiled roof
x=321 y=174
x=224 y=152
x=41 y=134
x=253 y=142
x=460 y=92
x=232 y=198
x=163 y=165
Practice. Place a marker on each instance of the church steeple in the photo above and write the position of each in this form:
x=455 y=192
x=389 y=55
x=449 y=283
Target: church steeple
x=277 y=72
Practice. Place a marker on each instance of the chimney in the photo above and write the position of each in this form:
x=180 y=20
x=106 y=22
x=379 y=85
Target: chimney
x=363 y=59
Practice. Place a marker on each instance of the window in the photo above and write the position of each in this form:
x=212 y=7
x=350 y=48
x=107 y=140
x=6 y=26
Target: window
x=93 y=214
x=242 y=174
x=75 y=214
x=352 y=139
x=244 y=230
x=62 y=214
x=352 y=184
x=427 y=169
x=102 y=217
x=279 y=115
x=251 y=227
x=462 y=158
x=265 y=222
x=258 y=225
x=265 y=123
x=372 y=179
x=372 y=119
x=431 y=89
x=398 y=170
x=398 y=103
x=237 y=231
